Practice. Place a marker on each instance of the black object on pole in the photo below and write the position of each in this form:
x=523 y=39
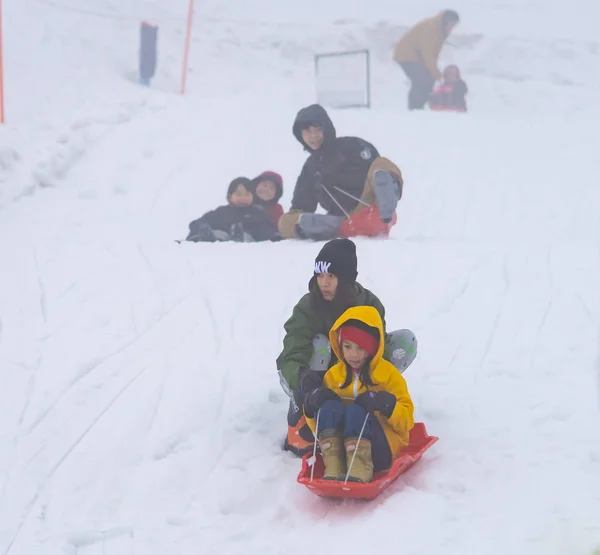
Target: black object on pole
x=148 y=52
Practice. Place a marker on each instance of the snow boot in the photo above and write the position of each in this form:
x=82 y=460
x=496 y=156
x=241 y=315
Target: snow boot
x=318 y=227
x=404 y=347
x=362 y=467
x=387 y=194
x=300 y=439
x=239 y=235
x=332 y=451
x=201 y=233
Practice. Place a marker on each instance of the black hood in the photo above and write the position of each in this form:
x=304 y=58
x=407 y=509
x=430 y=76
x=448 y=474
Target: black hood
x=315 y=114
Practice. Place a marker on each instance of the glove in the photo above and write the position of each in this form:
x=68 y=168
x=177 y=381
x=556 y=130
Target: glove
x=386 y=403
x=316 y=398
x=366 y=400
x=383 y=401
x=309 y=380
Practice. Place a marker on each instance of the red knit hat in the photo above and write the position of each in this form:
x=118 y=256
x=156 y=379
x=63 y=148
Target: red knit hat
x=363 y=335
x=275 y=178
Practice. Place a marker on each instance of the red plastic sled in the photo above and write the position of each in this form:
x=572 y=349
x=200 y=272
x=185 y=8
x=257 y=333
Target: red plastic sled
x=366 y=223
x=446 y=109
x=419 y=442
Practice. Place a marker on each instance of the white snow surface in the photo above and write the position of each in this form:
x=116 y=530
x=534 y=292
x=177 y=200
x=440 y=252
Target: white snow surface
x=140 y=409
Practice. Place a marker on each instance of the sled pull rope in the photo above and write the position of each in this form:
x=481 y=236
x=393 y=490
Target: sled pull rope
x=335 y=200
x=351 y=196
x=356 y=448
x=314 y=457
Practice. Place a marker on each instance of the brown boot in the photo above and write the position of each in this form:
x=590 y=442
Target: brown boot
x=362 y=467
x=332 y=450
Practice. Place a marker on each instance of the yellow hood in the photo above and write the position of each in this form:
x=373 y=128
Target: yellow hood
x=369 y=316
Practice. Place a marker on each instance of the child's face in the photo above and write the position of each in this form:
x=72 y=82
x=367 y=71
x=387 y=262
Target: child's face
x=266 y=190
x=328 y=285
x=354 y=355
x=241 y=197
x=451 y=75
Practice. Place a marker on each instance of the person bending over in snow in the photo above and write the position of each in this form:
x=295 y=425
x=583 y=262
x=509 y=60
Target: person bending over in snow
x=450 y=95
x=240 y=220
x=361 y=389
x=306 y=353
x=267 y=189
x=342 y=175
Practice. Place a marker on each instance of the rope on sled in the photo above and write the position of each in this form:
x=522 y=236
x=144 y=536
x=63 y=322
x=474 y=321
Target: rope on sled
x=356 y=448
x=335 y=200
x=351 y=196
x=314 y=457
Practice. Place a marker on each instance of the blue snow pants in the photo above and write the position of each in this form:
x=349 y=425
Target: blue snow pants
x=349 y=420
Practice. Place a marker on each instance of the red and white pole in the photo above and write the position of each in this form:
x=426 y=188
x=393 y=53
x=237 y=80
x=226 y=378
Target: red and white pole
x=186 y=51
x=1 y=71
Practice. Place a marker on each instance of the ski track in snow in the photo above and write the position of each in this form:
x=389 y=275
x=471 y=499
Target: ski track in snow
x=141 y=411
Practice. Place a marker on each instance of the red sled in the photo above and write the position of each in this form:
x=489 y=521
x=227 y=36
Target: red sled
x=419 y=442
x=436 y=108
x=366 y=223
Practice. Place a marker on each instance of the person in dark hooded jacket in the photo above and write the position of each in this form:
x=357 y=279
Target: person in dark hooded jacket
x=342 y=175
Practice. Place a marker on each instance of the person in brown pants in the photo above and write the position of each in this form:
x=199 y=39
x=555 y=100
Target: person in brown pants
x=342 y=175
x=418 y=51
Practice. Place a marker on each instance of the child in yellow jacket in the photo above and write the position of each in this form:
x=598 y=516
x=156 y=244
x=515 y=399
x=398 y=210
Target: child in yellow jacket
x=362 y=389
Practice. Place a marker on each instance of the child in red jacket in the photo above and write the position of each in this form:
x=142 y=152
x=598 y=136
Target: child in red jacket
x=450 y=95
x=267 y=189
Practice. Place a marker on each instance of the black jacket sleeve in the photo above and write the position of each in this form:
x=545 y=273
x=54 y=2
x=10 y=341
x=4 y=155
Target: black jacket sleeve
x=210 y=219
x=258 y=224
x=305 y=193
x=459 y=89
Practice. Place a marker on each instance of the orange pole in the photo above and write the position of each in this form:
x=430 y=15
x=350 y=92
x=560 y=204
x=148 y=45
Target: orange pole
x=1 y=71
x=187 y=46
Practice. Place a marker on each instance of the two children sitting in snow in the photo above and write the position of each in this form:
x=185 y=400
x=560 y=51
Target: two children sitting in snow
x=251 y=213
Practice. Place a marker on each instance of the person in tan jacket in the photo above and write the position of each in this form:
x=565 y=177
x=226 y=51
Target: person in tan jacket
x=417 y=53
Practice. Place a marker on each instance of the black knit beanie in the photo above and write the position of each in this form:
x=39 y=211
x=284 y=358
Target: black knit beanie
x=338 y=257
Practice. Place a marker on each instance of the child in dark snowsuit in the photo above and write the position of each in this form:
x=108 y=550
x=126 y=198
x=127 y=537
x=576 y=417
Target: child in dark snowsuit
x=240 y=220
x=450 y=95
x=267 y=189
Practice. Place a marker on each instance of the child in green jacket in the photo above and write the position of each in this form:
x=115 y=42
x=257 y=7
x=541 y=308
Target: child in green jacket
x=306 y=354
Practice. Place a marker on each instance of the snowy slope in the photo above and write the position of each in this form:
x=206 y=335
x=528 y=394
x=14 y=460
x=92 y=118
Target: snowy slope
x=140 y=410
